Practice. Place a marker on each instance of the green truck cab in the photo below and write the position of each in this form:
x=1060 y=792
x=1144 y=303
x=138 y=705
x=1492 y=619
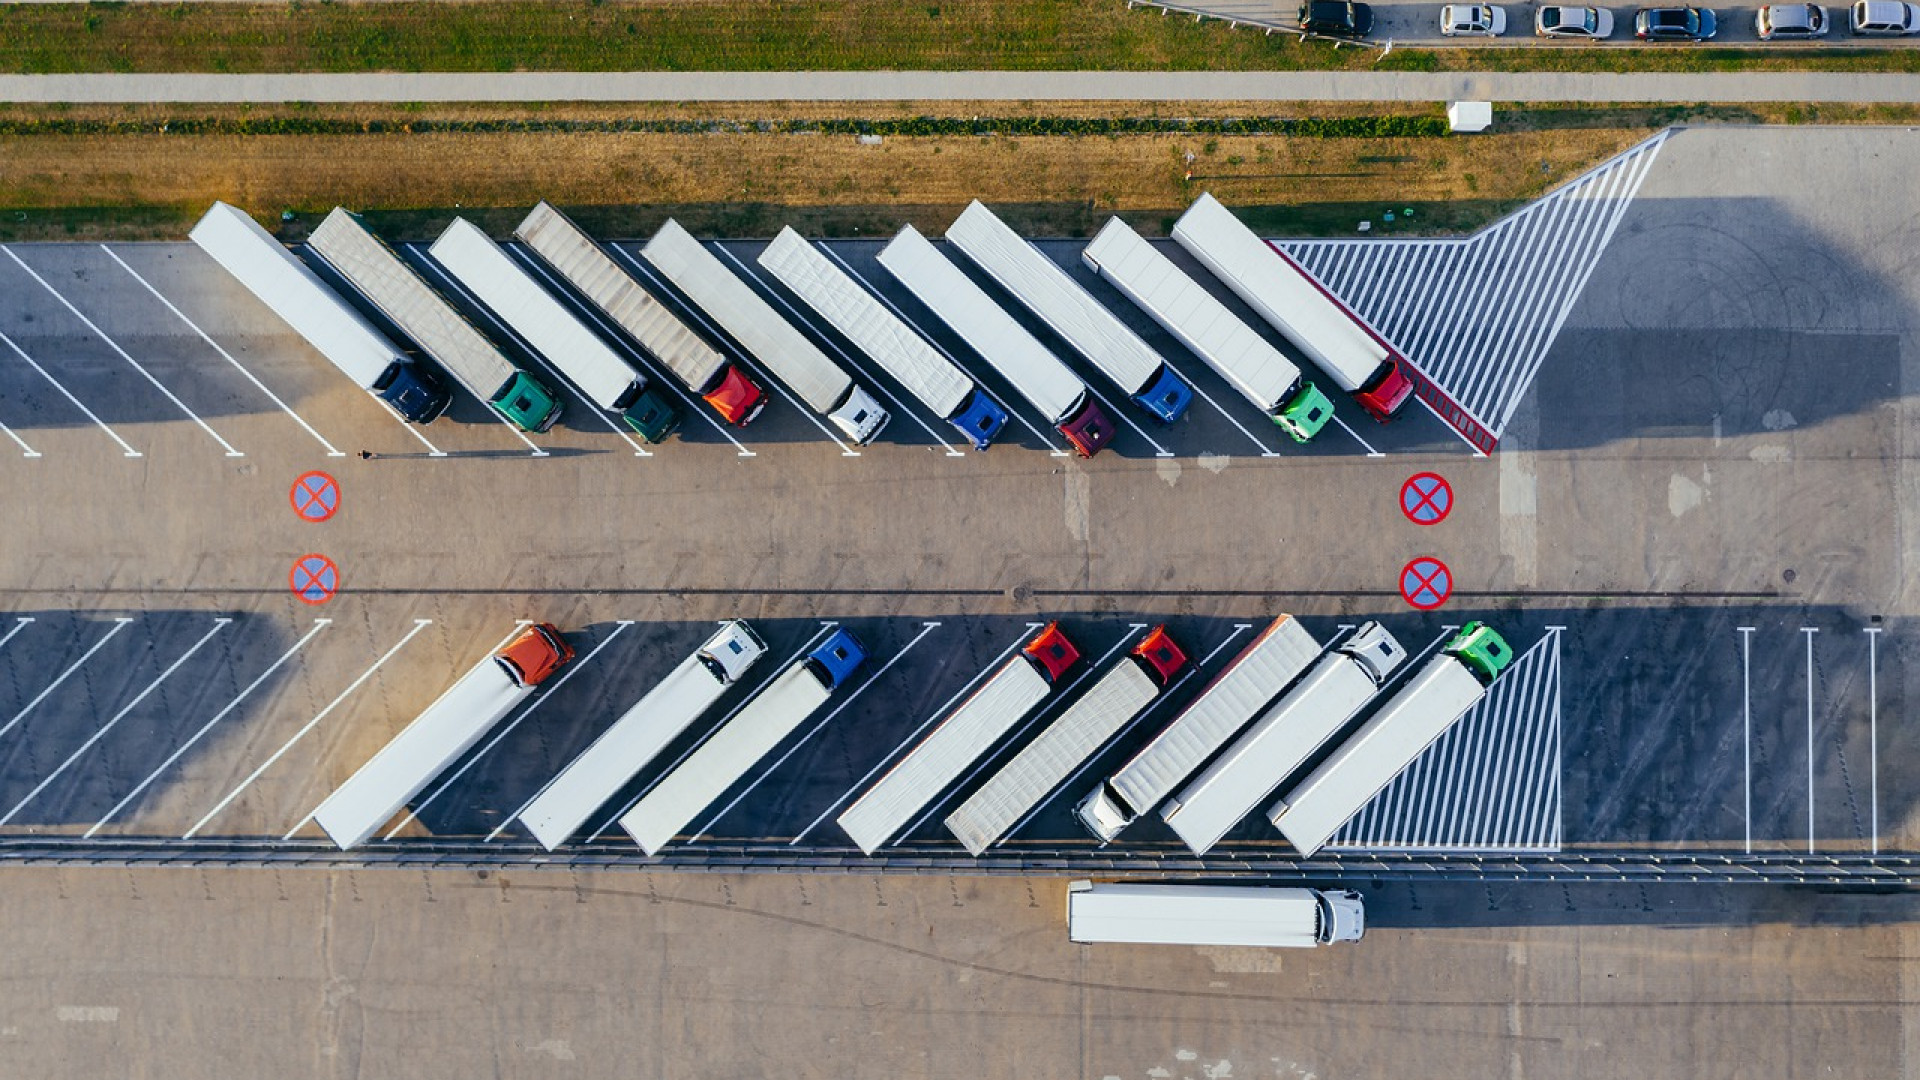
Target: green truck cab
x=1305 y=413
x=528 y=402
x=1481 y=651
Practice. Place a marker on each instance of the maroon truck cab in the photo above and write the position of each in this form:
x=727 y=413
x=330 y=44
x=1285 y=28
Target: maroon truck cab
x=1089 y=430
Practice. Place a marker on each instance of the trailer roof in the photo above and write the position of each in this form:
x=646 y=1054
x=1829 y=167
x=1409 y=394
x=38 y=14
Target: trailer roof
x=422 y=314
x=588 y=267
x=1034 y=279
x=747 y=318
x=983 y=324
x=294 y=292
x=871 y=327
x=1193 y=915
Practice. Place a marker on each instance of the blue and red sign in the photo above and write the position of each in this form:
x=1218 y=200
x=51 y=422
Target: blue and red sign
x=1426 y=583
x=314 y=579
x=1426 y=498
x=315 y=496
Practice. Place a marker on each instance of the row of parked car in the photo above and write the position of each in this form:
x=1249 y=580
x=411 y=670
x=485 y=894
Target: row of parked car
x=1773 y=22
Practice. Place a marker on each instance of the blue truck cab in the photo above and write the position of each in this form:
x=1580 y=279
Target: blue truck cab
x=981 y=418
x=1166 y=396
x=414 y=391
x=836 y=659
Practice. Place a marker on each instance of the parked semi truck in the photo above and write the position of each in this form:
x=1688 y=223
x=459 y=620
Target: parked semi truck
x=278 y=279
x=1261 y=373
x=587 y=267
x=1256 y=676
x=644 y=730
x=1126 y=913
x=1122 y=694
x=438 y=736
x=760 y=332
x=987 y=329
x=1079 y=319
x=1419 y=712
x=1351 y=354
x=370 y=266
x=969 y=731
x=1309 y=714
x=879 y=333
x=754 y=731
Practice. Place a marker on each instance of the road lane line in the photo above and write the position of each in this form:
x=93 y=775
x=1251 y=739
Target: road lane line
x=218 y=625
x=102 y=424
x=332 y=451
x=1873 y=731
x=318 y=625
x=1809 y=632
x=418 y=625
x=1746 y=706
x=115 y=346
x=119 y=624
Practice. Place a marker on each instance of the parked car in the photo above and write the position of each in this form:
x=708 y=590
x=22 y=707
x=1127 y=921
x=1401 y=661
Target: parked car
x=1884 y=18
x=1337 y=18
x=1573 y=22
x=1785 y=22
x=1673 y=24
x=1472 y=20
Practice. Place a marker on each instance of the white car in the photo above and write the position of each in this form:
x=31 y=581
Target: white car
x=1786 y=22
x=1472 y=20
x=1573 y=22
x=1884 y=18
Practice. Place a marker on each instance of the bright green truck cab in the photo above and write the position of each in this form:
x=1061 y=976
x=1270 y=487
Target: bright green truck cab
x=1482 y=651
x=1305 y=413
x=528 y=402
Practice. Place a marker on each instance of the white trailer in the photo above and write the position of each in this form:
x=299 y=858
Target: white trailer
x=969 y=731
x=600 y=771
x=761 y=332
x=1290 y=299
x=278 y=279
x=1079 y=319
x=1316 y=709
x=1256 y=676
x=1203 y=324
x=754 y=731
x=1042 y=765
x=1211 y=915
x=437 y=737
x=987 y=329
x=1419 y=712
x=587 y=267
x=881 y=334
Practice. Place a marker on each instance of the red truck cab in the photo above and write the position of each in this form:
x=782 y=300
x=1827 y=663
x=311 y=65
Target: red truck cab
x=1388 y=392
x=535 y=654
x=1052 y=652
x=1160 y=656
x=737 y=398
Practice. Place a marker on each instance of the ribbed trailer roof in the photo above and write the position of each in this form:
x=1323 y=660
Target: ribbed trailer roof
x=1044 y=764
x=748 y=319
x=1281 y=292
x=984 y=325
x=1189 y=312
x=295 y=293
x=1255 y=677
x=422 y=314
x=864 y=321
x=931 y=767
x=1033 y=279
x=1193 y=915
x=588 y=268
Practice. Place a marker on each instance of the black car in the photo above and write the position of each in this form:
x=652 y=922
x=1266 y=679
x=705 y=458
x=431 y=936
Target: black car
x=1673 y=24
x=1337 y=18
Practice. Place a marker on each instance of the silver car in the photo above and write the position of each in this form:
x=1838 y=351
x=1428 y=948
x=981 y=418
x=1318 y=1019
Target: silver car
x=1787 y=22
x=1472 y=20
x=1573 y=22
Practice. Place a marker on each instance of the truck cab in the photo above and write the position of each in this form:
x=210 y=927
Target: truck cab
x=1342 y=916
x=1090 y=430
x=859 y=417
x=1305 y=413
x=1161 y=658
x=1387 y=392
x=651 y=413
x=417 y=394
x=981 y=418
x=736 y=397
x=527 y=402
x=1375 y=650
x=1051 y=652
x=1166 y=397
x=1102 y=814
x=729 y=653
x=836 y=659
x=1481 y=651
x=536 y=653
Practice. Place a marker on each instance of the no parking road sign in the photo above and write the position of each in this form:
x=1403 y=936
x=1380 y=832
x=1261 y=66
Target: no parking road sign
x=1426 y=498
x=314 y=579
x=1426 y=583
x=315 y=496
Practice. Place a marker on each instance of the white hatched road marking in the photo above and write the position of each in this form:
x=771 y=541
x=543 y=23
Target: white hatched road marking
x=1490 y=783
x=119 y=624
x=128 y=451
x=123 y=354
x=1477 y=315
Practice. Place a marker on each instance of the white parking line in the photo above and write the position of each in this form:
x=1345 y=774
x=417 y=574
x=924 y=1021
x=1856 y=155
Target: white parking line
x=1371 y=452
x=894 y=754
x=19 y=623
x=119 y=624
x=441 y=788
x=491 y=411
x=1746 y=736
x=318 y=625
x=218 y=625
x=115 y=346
x=418 y=625
x=26 y=451
x=722 y=342
x=1809 y=632
x=1873 y=732
x=801 y=321
x=22 y=354
x=262 y=387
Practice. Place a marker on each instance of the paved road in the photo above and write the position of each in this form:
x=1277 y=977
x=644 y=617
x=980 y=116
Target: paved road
x=967 y=86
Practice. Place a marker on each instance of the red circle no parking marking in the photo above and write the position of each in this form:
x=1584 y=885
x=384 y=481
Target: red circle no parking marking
x=1426 y=498
x=1426 y=583
x=315 y=496
x=314 y=579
